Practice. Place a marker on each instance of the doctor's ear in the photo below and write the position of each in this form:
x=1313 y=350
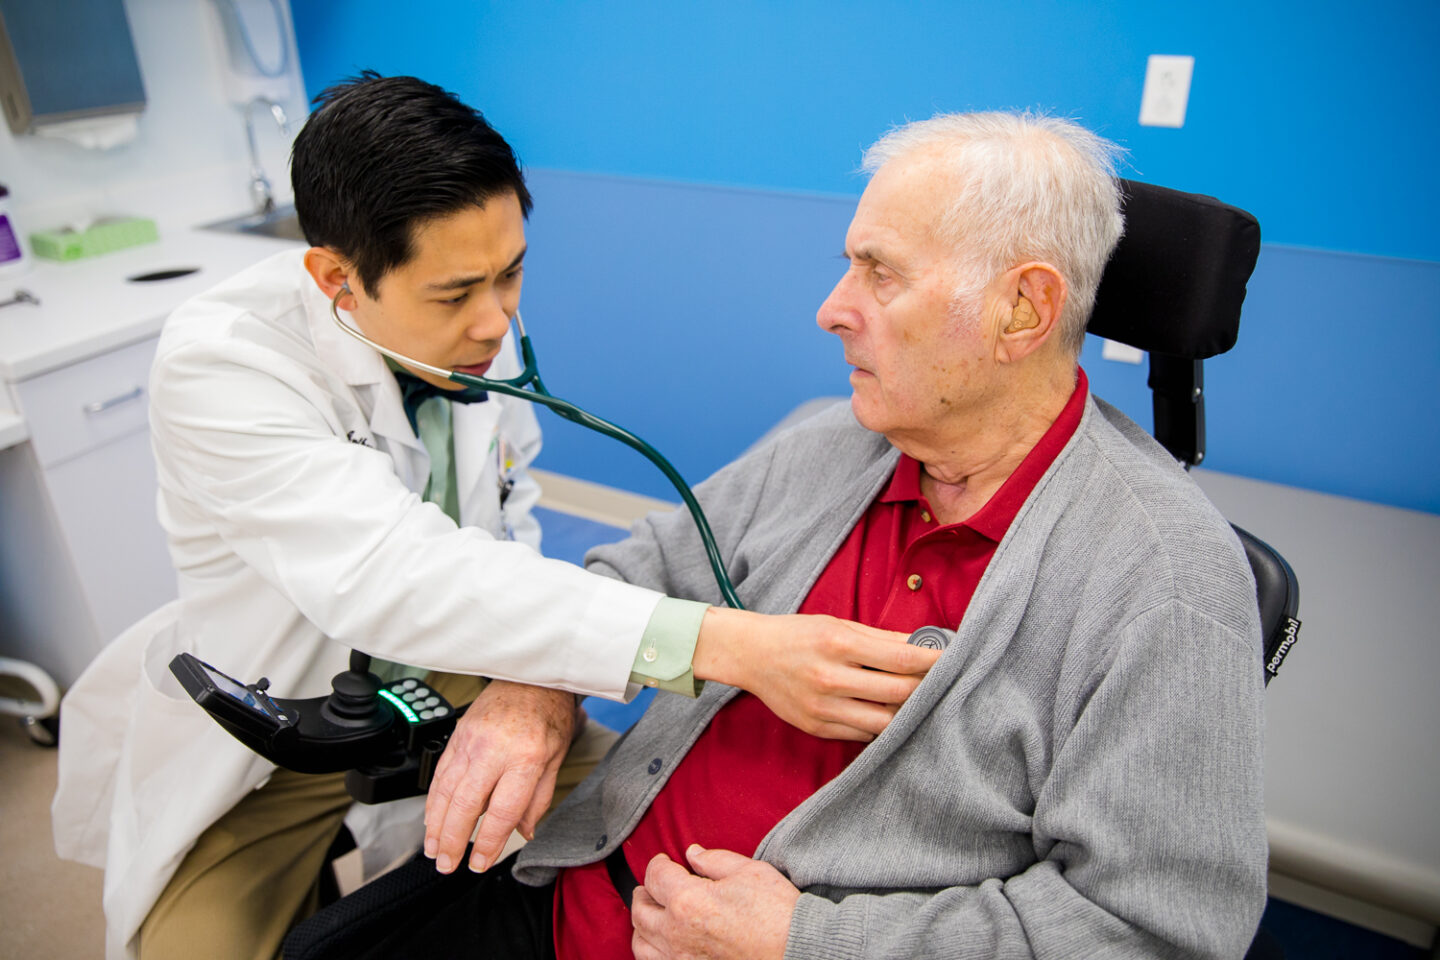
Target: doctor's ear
x=331 y=274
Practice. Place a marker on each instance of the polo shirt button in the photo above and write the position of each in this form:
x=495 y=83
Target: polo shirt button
x=913 y=581
x=655 y=766
x=604 y=839
x=925 y=515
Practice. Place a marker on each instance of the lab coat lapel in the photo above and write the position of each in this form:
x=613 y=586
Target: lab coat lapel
x=364 y=370
x=477 y=428
x=389 y=424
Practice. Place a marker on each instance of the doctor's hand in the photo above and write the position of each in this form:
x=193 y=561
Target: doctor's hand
x=501 y=761
x=730 y=907
x=828 y=677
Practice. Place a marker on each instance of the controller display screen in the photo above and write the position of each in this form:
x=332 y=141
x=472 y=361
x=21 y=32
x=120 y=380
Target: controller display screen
x=233 y=689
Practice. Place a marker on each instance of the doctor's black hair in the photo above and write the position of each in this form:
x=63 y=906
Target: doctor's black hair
x=380 y=156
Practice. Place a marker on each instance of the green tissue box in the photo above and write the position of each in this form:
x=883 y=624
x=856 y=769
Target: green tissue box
x=105 y=237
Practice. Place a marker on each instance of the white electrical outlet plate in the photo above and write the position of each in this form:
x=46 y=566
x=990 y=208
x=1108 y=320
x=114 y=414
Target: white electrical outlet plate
x=1167 y=91
x=1122 y=352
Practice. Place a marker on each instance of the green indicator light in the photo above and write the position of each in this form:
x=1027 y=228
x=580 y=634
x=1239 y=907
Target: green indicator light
x=400 y=705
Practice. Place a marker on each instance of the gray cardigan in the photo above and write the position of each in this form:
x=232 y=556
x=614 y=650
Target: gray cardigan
x=1080 y=773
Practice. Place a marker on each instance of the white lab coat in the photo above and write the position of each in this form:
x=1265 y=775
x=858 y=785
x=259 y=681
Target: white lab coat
x=288 y=478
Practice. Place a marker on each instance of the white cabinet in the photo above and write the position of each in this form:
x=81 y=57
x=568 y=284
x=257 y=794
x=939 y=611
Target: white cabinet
x=82 y=555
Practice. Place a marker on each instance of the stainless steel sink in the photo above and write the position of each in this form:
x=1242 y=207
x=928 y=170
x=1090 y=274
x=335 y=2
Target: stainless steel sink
x=280 y=223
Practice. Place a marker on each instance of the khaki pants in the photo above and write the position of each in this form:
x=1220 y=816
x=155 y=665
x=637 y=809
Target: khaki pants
x=255 y=872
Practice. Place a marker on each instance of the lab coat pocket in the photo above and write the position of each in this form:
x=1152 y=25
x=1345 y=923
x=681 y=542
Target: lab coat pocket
x=106 y=715
x=96 y=715
x=178 y=757
x=178 y=772
x=167 y=726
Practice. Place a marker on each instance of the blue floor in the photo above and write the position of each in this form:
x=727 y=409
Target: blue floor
x=1307 y=935
x=1303 y=934
x=567 y=537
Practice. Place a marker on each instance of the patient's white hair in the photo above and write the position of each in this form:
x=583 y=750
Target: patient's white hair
x=1022 y=187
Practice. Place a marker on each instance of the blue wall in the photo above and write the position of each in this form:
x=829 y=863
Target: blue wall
x=693 y=171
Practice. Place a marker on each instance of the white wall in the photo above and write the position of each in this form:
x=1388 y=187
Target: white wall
x=1352 y=771
x=189 y=163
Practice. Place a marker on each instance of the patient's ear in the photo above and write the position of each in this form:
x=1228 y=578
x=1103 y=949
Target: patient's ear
x=1034 y=295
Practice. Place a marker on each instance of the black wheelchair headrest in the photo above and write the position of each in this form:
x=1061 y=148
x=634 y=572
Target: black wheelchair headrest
x=1177 y=279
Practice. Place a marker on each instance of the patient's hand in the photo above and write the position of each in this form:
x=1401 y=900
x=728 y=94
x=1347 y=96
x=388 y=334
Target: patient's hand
x=501 y=759
x=731 y=906
x=829 y=677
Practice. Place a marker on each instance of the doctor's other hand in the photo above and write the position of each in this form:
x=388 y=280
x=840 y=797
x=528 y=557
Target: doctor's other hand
x=501 y=761
x=829 y=677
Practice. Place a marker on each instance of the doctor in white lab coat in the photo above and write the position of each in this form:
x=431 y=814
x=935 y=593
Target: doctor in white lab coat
x=291 y=490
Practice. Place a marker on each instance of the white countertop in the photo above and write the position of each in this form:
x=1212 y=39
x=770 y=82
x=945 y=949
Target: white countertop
x=90 y=306
x=12 y=429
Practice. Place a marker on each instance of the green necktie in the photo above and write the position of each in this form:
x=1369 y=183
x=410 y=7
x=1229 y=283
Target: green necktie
x=434 y=426
x=430 y=418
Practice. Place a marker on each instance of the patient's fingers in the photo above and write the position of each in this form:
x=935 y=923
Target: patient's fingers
x=662 y=877
x=453 y=770
x=448 y=830
x=507 y=805
x=501 y=758
x=543 y=794
x=646 y=915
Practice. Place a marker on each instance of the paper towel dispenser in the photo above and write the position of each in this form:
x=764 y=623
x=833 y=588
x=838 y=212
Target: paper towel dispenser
x=66 y=61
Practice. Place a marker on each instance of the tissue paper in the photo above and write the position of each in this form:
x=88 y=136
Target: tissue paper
x=94 y=133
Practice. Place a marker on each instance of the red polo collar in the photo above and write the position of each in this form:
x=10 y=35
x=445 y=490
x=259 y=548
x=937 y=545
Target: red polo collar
x=992 y=520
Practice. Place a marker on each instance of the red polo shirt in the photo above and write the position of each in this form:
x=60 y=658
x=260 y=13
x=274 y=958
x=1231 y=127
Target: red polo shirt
x=898 y=570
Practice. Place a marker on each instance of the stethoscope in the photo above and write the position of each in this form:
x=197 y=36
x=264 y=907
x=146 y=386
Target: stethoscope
x=530 y=377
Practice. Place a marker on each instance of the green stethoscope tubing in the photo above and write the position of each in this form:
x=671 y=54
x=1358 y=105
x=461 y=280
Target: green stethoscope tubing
x=530 y=376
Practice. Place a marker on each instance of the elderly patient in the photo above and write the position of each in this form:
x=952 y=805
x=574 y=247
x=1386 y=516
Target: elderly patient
x=1079 y=774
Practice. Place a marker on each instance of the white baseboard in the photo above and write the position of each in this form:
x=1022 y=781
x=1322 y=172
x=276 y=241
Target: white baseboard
x=1417 y=933
x=594 y=501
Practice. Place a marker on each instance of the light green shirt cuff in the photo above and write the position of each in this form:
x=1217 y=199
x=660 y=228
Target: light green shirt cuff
x=667 y=648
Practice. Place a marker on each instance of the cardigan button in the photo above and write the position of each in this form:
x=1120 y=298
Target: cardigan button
x=655 y=766
x=914 y=581
x=604 y=839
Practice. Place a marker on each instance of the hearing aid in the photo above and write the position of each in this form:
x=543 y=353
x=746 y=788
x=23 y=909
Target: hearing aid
x=1023 y=317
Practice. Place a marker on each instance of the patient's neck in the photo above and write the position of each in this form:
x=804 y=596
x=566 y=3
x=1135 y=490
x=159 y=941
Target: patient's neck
x=971 y=457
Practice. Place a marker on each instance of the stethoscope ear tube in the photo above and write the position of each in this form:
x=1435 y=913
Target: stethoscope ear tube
x=530 y=376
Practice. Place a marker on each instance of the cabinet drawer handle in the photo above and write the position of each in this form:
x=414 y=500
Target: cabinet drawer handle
x=100 y=406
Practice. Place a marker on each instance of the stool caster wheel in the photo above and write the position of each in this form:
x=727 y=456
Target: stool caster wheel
x=44 y=731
